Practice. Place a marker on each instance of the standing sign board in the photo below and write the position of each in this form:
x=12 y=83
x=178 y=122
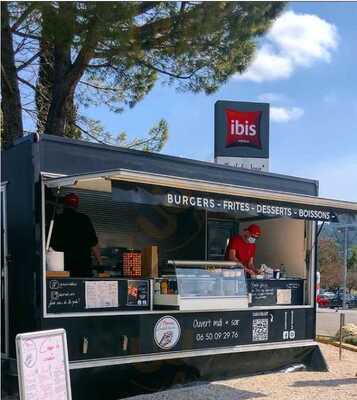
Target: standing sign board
x=42 y=364
x=242 y=134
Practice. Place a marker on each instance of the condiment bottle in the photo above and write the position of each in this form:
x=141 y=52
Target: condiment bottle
x=164 y=286
x=157 y=287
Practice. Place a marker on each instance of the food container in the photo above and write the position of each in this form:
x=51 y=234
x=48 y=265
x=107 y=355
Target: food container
x=55 y=260
x=276 y=274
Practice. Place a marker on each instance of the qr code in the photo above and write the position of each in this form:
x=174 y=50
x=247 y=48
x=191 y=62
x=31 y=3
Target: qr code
x=260 y=330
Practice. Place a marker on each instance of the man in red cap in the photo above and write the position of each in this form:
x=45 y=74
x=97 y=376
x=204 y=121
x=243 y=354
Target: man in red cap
x=74 y=234
x=241 y=249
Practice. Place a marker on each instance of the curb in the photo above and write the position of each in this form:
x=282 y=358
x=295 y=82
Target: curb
x=329 y=340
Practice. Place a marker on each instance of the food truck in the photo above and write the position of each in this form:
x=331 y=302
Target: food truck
x=166 y=307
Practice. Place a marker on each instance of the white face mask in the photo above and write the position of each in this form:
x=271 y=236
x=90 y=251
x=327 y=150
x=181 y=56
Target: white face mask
x=251 y=240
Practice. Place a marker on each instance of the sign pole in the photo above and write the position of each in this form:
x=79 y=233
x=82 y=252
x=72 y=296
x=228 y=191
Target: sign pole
x=345 y=267
x=342 y=323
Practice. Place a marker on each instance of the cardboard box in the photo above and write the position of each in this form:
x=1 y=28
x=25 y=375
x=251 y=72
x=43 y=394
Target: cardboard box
x=150 y=262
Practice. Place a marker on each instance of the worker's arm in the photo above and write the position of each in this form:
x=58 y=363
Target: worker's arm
x=96 y=253
x=232 y=256
x=251 y=269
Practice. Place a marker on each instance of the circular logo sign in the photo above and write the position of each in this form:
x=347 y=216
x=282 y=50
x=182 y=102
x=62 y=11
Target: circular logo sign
x=167 y=332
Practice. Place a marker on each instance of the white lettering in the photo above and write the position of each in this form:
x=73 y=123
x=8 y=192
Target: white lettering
x=252 y=130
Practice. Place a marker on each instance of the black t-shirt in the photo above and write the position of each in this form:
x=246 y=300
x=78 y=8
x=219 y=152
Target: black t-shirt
x=73 y=233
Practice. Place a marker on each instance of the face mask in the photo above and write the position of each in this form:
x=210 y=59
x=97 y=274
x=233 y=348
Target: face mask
x=251 y=240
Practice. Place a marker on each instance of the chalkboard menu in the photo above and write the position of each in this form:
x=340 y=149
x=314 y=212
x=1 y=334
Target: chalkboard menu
x=42 y=363
x=71 y=295
x=65 y=295
x=271 y=292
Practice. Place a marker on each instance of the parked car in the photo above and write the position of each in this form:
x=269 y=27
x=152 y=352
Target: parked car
x=328 y=294
x=337 y=301
x=322 y=301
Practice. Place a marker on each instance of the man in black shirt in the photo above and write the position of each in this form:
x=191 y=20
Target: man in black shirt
x=74 y=234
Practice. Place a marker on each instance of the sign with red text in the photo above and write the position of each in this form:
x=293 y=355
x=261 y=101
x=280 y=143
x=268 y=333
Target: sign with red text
x=242 y=134
x=42 y=364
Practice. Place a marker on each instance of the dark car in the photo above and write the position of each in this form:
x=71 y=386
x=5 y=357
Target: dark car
x=337 y=301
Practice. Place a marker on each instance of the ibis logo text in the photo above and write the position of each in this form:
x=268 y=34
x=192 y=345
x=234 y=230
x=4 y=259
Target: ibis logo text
x=243 y=128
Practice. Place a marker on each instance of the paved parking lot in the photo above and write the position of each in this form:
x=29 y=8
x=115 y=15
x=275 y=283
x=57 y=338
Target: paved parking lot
x=328 y=320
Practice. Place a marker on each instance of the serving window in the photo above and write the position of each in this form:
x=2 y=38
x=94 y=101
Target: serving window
x=178 y=239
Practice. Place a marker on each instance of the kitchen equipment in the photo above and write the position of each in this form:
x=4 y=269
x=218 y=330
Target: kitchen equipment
x=132 y=264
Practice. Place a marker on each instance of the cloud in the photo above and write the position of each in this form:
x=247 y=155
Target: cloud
x=267 y=66
x=285 y=114
x=294 y=40
x=273 y=97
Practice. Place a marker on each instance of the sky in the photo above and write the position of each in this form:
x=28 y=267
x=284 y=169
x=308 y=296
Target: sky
x=305 y=67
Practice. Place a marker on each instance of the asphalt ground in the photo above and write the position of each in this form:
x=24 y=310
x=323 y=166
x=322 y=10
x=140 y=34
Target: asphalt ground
x=328 y=320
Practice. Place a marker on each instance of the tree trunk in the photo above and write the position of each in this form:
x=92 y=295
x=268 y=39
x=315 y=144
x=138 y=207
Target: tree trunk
x=56 y=118
x=44 y=84
x=62 y=112
x=11 y=101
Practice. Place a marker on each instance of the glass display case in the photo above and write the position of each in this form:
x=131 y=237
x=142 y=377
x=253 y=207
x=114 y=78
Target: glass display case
x=202 y=285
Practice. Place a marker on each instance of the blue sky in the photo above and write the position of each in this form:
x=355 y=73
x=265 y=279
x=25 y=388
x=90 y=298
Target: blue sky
x=311 y=87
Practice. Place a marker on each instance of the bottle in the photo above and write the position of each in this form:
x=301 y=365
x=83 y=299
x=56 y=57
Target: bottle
x=164 y=286
x=169 y=287
x=282 y=271
x=157 y=287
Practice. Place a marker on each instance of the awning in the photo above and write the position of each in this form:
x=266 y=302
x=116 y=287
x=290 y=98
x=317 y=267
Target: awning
x=302 y=206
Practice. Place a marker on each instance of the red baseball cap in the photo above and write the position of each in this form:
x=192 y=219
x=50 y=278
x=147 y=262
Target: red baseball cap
x=254 y=230
x=71 y=200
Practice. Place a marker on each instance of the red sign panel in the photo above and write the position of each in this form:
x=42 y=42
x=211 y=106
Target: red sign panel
x=243 y=128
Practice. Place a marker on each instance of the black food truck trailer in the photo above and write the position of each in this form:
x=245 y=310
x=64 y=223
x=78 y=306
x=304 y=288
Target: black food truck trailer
x=167 y=308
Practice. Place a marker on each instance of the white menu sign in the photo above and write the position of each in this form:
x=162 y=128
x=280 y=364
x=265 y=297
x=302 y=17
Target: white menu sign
x=42 y=364
x=101 y=294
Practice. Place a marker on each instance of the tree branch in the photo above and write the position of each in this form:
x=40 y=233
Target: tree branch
x=92 y=85
x=28 y=62
x=34 y=88
x=23 y=17
x=30 y=85
x=162 y=71
x=27 y=35
x=140 y=143
x=105 y=65
x=85 y=54
x=89 y=134
x=20 y=46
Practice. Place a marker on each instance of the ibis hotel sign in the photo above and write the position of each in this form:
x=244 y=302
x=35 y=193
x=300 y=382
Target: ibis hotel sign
x=242 y=134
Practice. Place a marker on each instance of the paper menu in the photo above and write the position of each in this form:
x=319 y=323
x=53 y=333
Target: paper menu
x=283 y=296
x=43 y=366
x=101 y=294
